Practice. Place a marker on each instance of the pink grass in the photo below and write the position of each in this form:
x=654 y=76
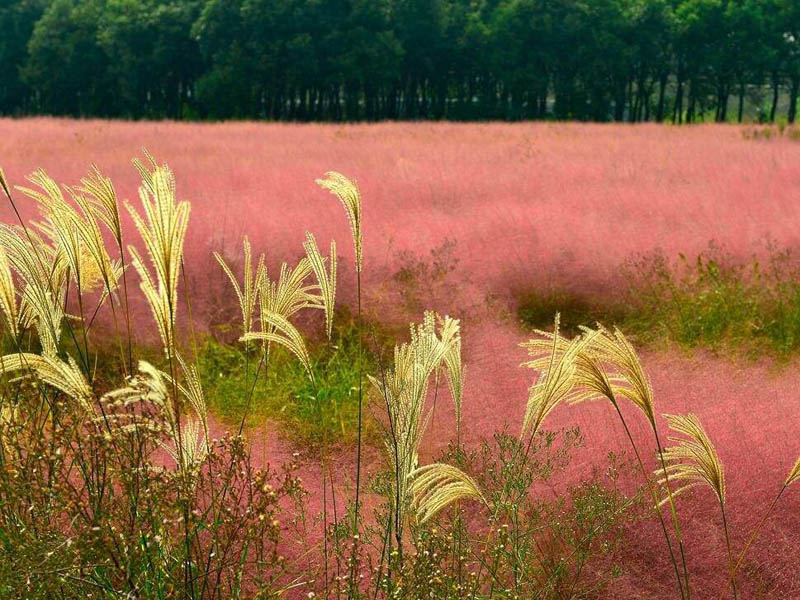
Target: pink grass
x=525 y=204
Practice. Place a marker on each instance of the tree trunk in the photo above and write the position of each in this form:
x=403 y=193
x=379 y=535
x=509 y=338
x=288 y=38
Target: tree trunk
x=692 y=101
x=775 y=87
x=741 y=101
x=793 y=97
x=677 y=112
x=662 y=84
x=723 y=112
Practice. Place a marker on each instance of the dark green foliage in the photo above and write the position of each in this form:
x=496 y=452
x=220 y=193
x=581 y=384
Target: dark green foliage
x=622 y=60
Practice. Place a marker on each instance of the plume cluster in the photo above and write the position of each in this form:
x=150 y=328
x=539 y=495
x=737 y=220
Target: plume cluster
x=42 y=270
x=279 y=300
x=694 y=459
x=603 y=365
x=350 y=196
x=64 y=376
x=163 y=230
x=404 y=389
x=557 y=371
x=247 y=292
x=187 y=439
x=435 y=486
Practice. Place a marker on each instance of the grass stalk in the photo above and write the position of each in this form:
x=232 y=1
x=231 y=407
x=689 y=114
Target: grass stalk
x=674 y=511
x=732 y=575
x=654 y=496
x=749 y=543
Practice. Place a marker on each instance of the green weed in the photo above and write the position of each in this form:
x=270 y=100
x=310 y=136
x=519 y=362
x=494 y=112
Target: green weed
x=713 y=300
x=325 y=411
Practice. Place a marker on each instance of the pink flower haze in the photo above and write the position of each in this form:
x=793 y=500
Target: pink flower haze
x=510 y=207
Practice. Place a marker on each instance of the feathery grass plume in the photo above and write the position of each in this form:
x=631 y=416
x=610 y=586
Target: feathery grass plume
x=282 y=332
x=632 y=382
x=404 y=389
x=794 y=474
x=4 y=183
x=627 y=379
x=101 y=200
x=163 y=234
x=191 y=389
x=148 y=386
x=325 y=279
x=146 y=171
x=350 y=196
x=248 y=292
x=429 y=349
x=62 y=225
x=556 y=379
x=43 y=272
x=435 y=486
x=694 y=459
x=592 y=380
x=450 y=334
x=93 y=243
x=64 y=376
x=15 y=319
x=189 y=450
x=289 y=294
x=404 y=410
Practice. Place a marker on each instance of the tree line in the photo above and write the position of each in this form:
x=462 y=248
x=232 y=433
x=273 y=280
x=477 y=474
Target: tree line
x=347 y=60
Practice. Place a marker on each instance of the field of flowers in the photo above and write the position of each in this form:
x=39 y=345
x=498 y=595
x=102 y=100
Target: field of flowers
x=468 y=219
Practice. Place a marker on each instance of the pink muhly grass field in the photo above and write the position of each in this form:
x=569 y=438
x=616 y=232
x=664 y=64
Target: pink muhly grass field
x=524 y=205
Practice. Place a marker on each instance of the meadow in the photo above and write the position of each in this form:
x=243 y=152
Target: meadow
x=500 y=226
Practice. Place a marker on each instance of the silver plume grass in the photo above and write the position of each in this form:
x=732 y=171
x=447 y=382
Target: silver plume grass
x=163 y=230
x=326 y=279
x=693 y=459
x=64 y=376
x=556 y=377
x=434 y=487
x=282 y=332
x=247 y=293
x=350 y=196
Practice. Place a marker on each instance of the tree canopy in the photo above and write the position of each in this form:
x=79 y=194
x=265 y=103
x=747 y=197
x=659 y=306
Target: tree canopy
x=347 y=60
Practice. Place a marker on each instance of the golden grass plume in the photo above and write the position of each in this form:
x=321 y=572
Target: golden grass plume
x=434 y=487
x=694 y=459
x=350 y=196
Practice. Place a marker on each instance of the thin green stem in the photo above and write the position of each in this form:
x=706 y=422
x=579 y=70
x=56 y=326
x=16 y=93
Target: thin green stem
x=675 y=523
x=655 y=499
x=750 y=543
x=352 y=589
x=728 y=545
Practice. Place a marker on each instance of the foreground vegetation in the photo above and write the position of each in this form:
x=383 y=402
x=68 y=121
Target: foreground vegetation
x=117 y=489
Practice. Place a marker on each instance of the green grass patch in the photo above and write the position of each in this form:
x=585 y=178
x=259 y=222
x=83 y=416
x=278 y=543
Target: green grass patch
x=326 y=412
x=714 y=301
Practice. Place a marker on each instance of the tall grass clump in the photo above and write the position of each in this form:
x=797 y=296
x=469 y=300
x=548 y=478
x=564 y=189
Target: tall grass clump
x=114 y=490
x=114 y=484
x=715 y=301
